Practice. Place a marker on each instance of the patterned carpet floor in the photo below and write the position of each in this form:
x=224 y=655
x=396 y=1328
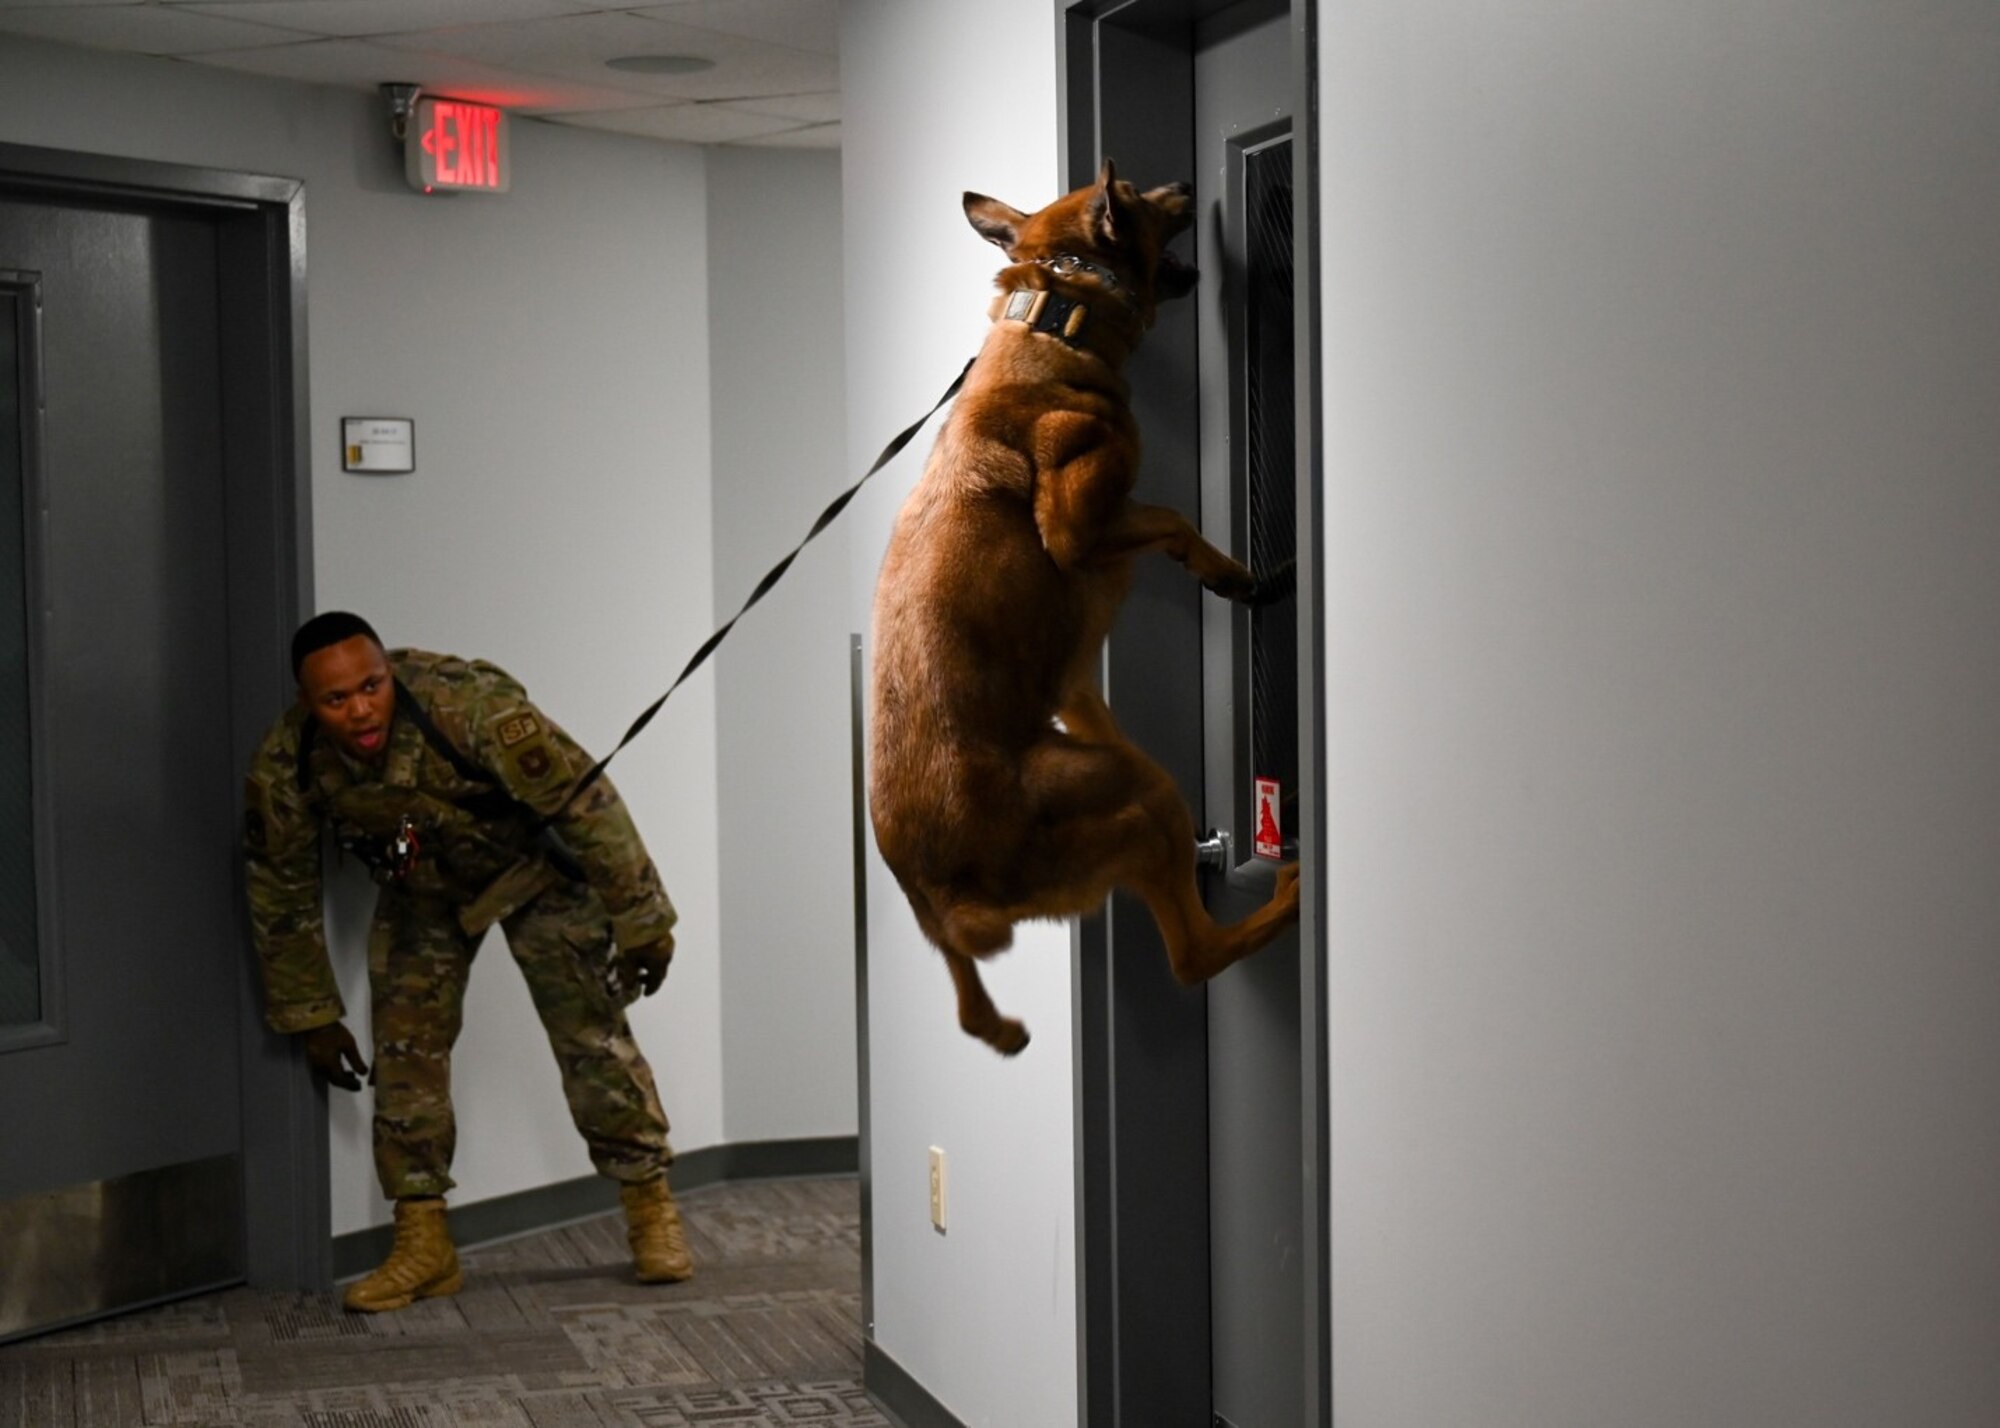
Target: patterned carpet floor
x=550 y=1332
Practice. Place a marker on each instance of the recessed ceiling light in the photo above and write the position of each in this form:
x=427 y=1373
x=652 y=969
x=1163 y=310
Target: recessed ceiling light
x=661 y=64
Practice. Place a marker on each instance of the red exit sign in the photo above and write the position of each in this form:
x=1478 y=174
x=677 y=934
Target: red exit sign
x=453 y=146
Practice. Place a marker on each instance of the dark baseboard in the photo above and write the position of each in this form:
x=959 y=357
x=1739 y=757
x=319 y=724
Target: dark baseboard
x=768 y=1160
x=505 y=1216
x=905 y=1400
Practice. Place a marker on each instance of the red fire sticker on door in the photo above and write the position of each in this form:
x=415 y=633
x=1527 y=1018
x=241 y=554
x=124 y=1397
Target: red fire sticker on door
x=1270 y=839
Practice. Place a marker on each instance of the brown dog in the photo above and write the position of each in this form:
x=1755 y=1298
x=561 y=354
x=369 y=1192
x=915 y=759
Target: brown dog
x=1008 y=564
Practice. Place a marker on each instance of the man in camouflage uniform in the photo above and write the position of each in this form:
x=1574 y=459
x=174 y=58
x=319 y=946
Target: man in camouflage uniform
x=457 y=792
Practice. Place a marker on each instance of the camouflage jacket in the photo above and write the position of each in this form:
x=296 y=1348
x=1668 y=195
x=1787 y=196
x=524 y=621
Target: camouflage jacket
x=472 y=805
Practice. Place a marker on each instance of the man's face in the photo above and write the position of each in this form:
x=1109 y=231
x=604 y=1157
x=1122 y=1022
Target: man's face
x=348 y=688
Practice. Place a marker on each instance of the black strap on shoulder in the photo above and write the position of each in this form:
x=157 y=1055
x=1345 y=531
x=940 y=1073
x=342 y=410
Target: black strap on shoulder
x=771 y=577
x=408 y=707
x=406 y=704
x=493 y=800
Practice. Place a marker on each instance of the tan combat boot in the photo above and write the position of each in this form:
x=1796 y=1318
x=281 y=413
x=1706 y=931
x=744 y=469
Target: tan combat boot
x=422 y=1265
x=653 y=1228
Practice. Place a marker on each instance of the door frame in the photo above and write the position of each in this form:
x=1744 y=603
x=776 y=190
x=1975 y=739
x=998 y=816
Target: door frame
x=1143 y=1322
x=51 y=1027
x=261 y=235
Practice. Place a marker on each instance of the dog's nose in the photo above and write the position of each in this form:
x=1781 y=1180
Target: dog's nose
x=1181 y=187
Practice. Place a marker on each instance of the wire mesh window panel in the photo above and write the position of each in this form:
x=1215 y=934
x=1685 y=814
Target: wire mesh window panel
x=1271 y=496
x=20 y=955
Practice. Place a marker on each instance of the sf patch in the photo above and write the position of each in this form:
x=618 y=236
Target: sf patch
x=517 y=729
x=529 y=758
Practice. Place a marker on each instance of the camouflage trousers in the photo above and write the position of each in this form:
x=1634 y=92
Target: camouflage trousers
x=418 y=962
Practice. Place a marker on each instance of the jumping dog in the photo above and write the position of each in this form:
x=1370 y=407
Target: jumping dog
x=1000 y=787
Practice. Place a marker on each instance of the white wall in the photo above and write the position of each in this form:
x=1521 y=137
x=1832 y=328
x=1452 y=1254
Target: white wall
x=1662 y=347
x=985 y=1316
x=552 y=346
x=785 y=797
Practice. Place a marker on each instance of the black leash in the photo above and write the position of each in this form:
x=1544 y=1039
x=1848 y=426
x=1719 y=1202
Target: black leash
x=771 y=578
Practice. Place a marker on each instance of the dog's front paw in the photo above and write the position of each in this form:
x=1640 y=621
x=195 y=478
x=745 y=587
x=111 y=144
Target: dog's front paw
x=1279 y=584
x=1232 y=583
x=1010 y=1038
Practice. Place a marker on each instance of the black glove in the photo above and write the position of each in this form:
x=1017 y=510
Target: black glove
x=645 y=966
x=334 y=1055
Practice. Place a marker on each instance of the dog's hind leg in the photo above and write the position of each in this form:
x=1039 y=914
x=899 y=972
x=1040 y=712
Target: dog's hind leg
x=1117 y=818
x=963 y=934
x=976 y=1012
x=1198 y=947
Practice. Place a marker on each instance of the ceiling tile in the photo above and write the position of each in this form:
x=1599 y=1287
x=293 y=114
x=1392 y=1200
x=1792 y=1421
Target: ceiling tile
x=354 y=18
x=688 y=123
x=804 y=108
x=802 y=24
x=577 y=47
x=137 y=29
x=775 y=78
x=360 y=65
x=813 y=136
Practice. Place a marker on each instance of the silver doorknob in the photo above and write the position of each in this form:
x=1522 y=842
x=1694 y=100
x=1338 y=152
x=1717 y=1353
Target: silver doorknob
x=1213 y=851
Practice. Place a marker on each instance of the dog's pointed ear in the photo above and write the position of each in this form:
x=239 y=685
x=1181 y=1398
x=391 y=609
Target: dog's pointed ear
x=1102 y=210
x=994 y=221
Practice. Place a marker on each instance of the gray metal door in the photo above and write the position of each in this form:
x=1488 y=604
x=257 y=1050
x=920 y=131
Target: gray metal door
x=1201 y=1209
x=120 y=978
x=1244 y=164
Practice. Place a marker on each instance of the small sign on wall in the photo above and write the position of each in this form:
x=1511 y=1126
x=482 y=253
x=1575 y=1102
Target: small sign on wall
x=1269 y=841
x=378 y=446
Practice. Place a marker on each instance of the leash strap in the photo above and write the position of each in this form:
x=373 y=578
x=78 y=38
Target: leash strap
x=771 y=578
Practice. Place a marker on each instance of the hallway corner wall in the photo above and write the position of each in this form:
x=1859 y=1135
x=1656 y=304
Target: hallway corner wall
x=784 y=805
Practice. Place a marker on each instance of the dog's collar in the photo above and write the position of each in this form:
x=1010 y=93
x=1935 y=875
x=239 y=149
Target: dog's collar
x=1063 y=315
x=1069 y=265
x=1046 y=311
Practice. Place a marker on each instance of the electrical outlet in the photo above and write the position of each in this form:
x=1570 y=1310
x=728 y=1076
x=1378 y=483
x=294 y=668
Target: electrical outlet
x=937 y=1189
